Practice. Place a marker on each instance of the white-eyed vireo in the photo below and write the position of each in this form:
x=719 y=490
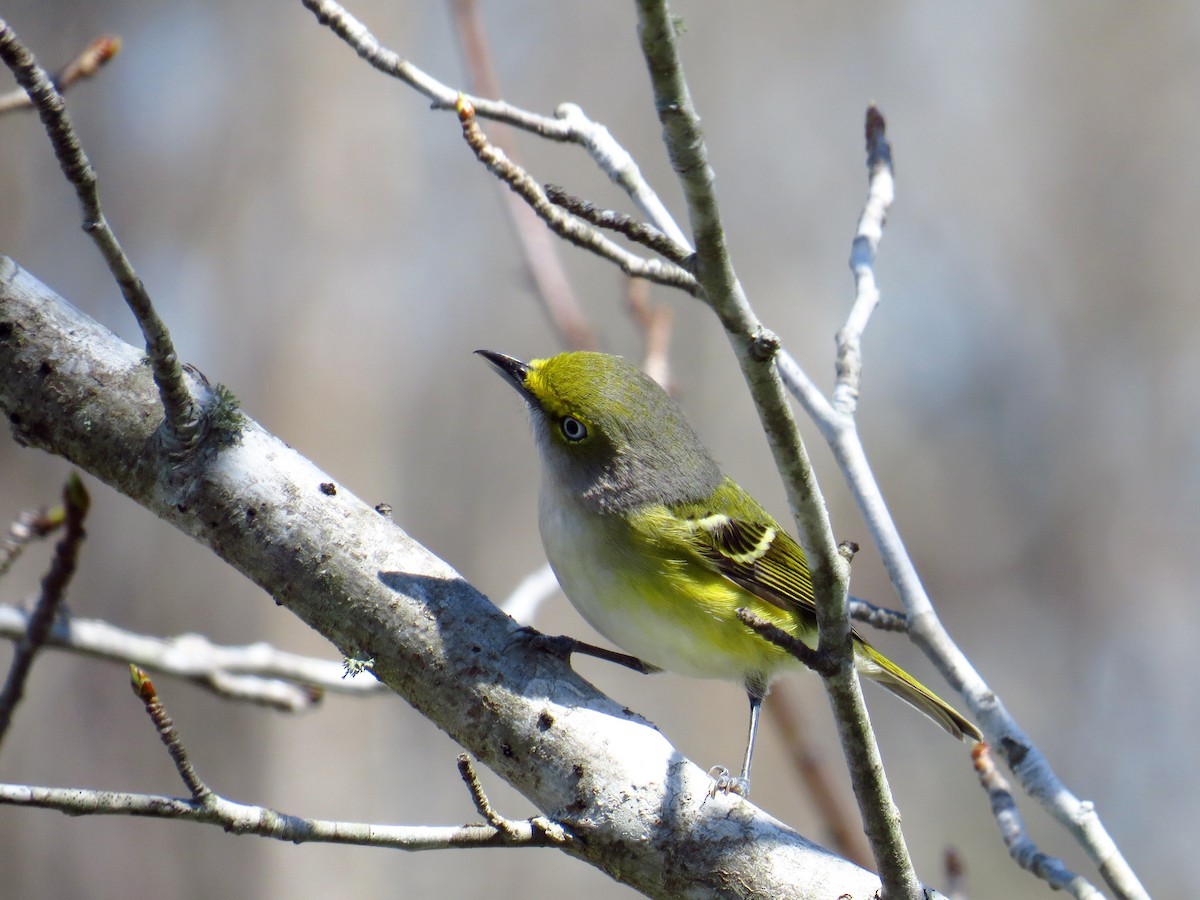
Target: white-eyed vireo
x=657 y=549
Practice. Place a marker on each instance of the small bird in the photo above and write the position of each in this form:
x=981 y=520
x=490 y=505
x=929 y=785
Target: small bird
x=657 y=549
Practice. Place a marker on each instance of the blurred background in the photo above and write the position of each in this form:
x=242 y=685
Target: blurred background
x=325 y=245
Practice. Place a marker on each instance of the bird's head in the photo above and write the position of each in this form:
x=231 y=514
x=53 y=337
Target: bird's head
x=608 y=432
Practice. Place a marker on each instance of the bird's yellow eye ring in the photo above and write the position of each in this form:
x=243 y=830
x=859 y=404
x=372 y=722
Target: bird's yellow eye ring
x=573 y=430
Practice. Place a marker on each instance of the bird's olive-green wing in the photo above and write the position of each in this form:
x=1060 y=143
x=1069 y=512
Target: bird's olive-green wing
x=748 y=547
x=742 y=542
x=761 y=558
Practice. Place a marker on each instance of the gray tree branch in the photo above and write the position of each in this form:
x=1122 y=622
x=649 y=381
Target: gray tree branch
x=243 y=818
x=257 y=673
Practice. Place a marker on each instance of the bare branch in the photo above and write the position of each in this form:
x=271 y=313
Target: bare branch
x=241 y=818
x=569 y=124
x=143 y=689
x=366 y=45
x=538 y=247
x=638 y=232
x=1012 y=828
x=30 y=525
x=54 y=587
x=478 y=797
x=619 y=165
x=800 y=386
x=184 y=425
x=553 y=833
x=655 y=323
x=840 y=430
x=257 y=673
x=1030 y=766
x=538 y=832
x=93 y=58
x=877 y=616
x=817 y=660
x=565 y=226
x=880 y=193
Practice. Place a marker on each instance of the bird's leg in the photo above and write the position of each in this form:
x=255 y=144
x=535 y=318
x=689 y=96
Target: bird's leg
x=755 y=708
x=722 y=780
x=564 y=647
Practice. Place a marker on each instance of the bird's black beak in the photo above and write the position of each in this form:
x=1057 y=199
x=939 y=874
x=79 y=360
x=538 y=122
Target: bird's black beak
x=511 y=368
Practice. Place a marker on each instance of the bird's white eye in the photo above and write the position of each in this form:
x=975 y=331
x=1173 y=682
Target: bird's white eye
x=572 y=428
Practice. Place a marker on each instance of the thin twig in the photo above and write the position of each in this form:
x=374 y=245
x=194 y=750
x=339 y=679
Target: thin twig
x=54 y=587
x=568 y=125
x=881 y=191
x=567 y=227
x=1012 y=828
x=144 y=689
x=342 y=23
x=518 y=833
x=256 y=673
x=538 y=247
x=29 y=525
x=926 y=630
x=479 y=797
x=211 y=807
x=241 y=818
x=638 y=232
x=655 y=323
x=804 y=389
x=184 y=425
x=879 y=617
x=840 y=430
x=753 y=344
x=93 y=58
x=615 y=161
x=816 y=660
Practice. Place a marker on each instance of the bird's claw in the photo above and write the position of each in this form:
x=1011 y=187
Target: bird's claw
x=725 y=783
x=555 y=644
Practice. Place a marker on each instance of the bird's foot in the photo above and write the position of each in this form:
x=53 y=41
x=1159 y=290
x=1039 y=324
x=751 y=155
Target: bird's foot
x=725 y=783
x=555 y=644
x=564 y=647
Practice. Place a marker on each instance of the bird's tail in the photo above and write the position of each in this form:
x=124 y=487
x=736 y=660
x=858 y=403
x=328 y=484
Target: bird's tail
x=874 y=665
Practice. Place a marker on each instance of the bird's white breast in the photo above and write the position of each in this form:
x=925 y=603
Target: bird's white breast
x=598 y=566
